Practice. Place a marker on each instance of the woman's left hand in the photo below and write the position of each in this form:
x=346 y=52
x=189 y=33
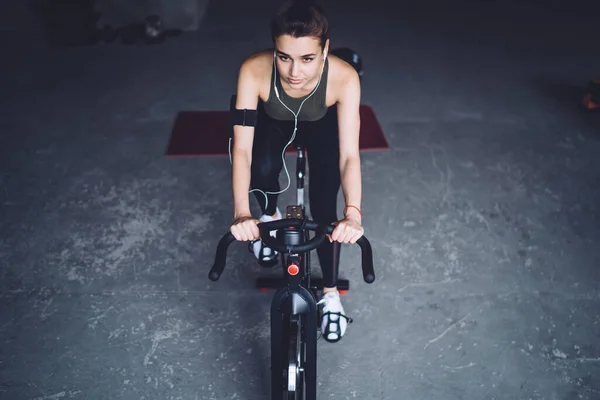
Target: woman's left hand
x=348 y=230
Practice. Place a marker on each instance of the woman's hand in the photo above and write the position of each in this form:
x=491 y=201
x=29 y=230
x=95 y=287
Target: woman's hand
x=245 y=228
x=348 y=230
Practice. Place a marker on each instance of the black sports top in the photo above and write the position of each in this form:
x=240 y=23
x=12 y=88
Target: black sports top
x=313 y=109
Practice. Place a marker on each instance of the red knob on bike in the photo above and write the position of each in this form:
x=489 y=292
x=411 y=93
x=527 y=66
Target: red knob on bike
x=293 y=269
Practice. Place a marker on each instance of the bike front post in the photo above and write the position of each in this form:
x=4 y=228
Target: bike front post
x=285 y=303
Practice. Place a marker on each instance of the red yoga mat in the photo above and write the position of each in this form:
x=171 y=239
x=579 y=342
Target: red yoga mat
x=205 y=133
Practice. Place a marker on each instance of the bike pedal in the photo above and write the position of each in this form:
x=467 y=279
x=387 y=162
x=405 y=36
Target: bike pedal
x=268 y=264
x=265 y=264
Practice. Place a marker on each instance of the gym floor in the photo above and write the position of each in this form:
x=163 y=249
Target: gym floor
x=482 y=215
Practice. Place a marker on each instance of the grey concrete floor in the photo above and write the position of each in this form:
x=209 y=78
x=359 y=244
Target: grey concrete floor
x=483 y=215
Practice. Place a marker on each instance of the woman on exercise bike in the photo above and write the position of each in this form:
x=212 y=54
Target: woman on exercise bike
x=301 y=95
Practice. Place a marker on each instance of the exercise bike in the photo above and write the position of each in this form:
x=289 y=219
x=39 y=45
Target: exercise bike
x=294 y=312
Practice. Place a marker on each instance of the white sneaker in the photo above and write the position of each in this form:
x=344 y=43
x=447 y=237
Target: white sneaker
x=333 y=320
x=266 y=256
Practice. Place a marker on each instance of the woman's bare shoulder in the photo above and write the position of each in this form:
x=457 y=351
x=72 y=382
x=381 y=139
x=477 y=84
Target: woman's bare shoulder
x=341 y=73
x=258 y=63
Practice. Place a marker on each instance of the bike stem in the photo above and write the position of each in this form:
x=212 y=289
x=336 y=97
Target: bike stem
x=300 y=173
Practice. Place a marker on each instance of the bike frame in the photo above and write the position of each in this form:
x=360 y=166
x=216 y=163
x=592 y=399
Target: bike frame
x=294 y=313
x=295 y=300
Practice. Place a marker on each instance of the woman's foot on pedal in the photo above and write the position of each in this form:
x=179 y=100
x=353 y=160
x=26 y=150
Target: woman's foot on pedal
x=333 y=320
x=266 y=256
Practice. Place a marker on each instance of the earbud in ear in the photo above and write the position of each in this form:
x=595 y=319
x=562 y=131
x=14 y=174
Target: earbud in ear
x=275 y=86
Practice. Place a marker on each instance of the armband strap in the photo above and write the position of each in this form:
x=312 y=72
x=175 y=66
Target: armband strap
x=243 y=117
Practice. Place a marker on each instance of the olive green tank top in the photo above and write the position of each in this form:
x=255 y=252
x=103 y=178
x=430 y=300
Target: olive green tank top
x=313 y=109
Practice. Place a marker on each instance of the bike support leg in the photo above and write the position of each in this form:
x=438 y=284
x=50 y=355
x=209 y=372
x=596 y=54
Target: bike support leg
x=286 y=303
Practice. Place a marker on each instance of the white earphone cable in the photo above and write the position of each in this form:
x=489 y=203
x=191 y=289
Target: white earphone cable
x=293 y=134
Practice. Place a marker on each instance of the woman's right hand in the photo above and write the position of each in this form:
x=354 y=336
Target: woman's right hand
x=245 y=229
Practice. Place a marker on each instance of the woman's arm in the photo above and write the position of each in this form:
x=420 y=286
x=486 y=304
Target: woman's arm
x=349 y=129
x=247 y=97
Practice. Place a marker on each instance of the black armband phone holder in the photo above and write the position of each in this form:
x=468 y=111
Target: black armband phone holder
x=243 y=117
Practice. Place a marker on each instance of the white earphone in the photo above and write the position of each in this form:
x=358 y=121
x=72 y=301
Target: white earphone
x=295 y=123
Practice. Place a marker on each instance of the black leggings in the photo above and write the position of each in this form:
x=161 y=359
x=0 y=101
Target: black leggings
x=321 y=141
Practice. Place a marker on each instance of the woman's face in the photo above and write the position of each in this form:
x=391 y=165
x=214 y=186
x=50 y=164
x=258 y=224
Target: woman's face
x=299 y=60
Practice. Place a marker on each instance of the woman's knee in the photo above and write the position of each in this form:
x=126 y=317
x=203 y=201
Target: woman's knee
x=263 y=167
x=264 y=172
x=323 y=207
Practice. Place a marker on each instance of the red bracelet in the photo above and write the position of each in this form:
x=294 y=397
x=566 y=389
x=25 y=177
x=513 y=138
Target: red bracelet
x=357 y=209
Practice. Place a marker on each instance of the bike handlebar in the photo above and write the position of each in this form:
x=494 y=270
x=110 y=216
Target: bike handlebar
x=266 y=227
x=321 y=231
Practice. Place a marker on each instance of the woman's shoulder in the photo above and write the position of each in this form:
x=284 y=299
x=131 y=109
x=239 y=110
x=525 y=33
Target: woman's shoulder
x=258 y=63
x=341 y=73
x=255 y=73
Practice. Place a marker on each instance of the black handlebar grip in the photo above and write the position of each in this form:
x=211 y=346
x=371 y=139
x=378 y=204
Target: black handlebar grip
x=221 y=256
x=367 y=259
x=367 y=256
